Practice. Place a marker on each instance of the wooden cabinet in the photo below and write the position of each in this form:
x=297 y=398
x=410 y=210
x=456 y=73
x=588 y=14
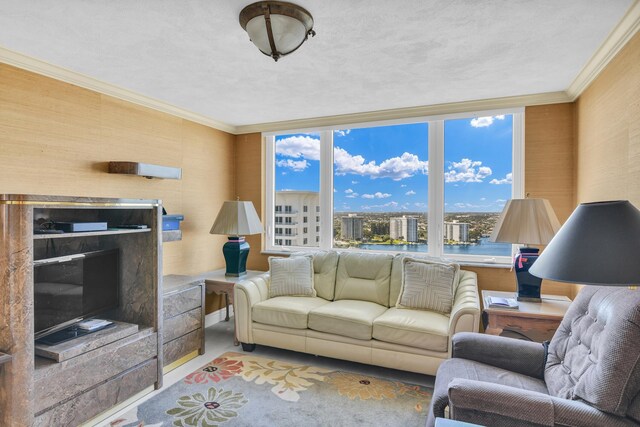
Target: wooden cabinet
x=94 y=376
x=183 y=314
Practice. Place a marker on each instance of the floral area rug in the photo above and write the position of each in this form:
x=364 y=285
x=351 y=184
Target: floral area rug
x=239 y=389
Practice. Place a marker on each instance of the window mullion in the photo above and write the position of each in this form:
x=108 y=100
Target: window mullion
x=326 y=189
x=271 y=191
x=436 y=187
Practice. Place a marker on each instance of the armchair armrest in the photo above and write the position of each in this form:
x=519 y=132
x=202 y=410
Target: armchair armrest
x=246 y=294
x=523 y=357
x=465 y=313
x=498 y=405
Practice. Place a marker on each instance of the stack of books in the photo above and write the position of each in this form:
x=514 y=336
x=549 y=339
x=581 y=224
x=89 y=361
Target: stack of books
x=499 y=302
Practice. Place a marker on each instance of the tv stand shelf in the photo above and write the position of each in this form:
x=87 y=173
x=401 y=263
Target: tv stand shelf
x=88 y=375
x=108 y=232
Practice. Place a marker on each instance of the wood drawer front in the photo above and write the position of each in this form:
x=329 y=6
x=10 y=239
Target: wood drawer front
x=174 y=350
x=182 y=324
x=97 y=400
x=179 y=302
x=81 y=373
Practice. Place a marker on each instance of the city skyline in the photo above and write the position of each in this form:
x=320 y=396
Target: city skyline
x=385 y=169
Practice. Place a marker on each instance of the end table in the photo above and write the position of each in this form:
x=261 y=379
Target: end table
x=216 y=282
x=536 y=321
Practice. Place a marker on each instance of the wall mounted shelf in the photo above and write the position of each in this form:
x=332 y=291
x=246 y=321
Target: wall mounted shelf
x=91 y=233
x=145 y=169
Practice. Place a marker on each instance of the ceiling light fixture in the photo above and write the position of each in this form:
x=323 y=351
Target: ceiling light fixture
x=276 y=28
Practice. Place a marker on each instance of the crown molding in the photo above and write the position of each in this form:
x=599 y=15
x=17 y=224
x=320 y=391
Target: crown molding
x=44 y=68
x=410 y=112
x=615 y=41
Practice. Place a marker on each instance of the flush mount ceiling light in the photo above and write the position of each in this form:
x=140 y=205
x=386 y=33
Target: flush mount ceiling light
x=276 y=28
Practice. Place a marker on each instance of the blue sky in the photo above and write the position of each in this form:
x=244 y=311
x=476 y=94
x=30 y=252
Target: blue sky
x=385 y=169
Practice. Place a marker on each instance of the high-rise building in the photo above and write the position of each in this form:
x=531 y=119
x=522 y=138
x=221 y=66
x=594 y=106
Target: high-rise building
x=351 y=227
x=297 y=218
x=379 y=228
x=404 y=227
x=456 y=231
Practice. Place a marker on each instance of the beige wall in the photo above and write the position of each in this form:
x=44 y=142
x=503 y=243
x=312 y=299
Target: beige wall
x=549 y=174
x=608 y=131
x=56 y=138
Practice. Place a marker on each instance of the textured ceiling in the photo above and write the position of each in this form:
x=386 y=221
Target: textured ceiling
x=368 y=55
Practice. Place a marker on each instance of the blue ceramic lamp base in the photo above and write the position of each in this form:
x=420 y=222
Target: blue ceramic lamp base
x=236 y=252
x=528 y=284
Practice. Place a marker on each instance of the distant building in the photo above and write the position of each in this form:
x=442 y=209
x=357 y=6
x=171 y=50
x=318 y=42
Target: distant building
x=456 y=231
x=351 y=227
x=379 y=228
x=405 y=228
x=297 y=218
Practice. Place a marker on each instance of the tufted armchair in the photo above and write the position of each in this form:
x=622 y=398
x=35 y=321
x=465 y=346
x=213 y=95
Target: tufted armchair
x=588 y=376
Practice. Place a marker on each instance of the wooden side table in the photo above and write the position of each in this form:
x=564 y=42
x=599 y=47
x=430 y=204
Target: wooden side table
x=535 y=321
x=216 y=282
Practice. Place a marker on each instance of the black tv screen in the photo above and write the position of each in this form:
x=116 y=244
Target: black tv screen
x=68 y=289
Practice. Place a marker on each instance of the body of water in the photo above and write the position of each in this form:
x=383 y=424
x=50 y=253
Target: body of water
x=485 y=247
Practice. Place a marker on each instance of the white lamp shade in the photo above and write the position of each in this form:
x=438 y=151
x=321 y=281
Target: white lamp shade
x=288 y=33
x=526 y=221
x=237 y=218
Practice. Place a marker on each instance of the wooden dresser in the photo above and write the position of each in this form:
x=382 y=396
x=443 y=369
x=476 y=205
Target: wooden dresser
x=183 y=314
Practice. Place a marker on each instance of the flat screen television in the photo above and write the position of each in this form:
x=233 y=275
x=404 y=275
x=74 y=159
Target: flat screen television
x=71 y=288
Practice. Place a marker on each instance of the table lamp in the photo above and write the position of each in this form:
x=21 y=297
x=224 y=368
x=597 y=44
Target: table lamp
x=528 y=222
x=597 y=245
x=236 y=219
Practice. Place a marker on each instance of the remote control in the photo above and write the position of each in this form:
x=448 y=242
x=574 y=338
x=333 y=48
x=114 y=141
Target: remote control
x=47 y=231
x=134 y=226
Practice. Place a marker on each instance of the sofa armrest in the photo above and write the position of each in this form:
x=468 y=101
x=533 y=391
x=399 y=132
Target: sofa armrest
x=523 y=357
x=499 y=405
x=465 y=313
x=246 y=294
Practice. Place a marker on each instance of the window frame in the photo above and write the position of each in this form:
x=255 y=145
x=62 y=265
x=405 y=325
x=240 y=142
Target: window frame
x=436 y=183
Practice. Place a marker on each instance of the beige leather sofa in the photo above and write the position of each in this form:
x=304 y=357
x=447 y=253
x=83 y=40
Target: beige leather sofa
x=354 y=316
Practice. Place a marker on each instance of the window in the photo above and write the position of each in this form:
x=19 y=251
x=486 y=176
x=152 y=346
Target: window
x=288 y=220
x=278 y=220
x=288 y=232
x=278 y=208
x=279 y=242
x=278 y=231
x=434 y=185
x=287 y=209
x=287 y=242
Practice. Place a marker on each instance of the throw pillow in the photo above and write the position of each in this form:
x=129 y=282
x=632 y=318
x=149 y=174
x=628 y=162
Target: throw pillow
x=291 y=277
x=428 y=285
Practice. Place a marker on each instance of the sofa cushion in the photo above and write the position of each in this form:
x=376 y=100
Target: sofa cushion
x=363 y=277
x=416 y=328
x=325 y=264
x=350 y=318
x=428 y=285
x=288 y=312
x=291 y=277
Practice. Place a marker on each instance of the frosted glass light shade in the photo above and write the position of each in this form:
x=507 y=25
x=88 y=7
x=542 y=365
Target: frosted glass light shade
x=526 y=221
x=237 y=218
x=288 y=33
x=276 y=28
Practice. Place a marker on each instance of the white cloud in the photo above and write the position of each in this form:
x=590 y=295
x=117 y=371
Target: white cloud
x=508 y=179
x=467 y=170
x=501 y=201
x=299 y=146
x=386 y=205
x=482 y=199
x=295 y=165
x=482 y=122
x=403 y=185
x=410 y=193
x=351 y=194
x=396 y=168
x=420 y=205
x=376 y=195
x=342 y=132
x=354 y=182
